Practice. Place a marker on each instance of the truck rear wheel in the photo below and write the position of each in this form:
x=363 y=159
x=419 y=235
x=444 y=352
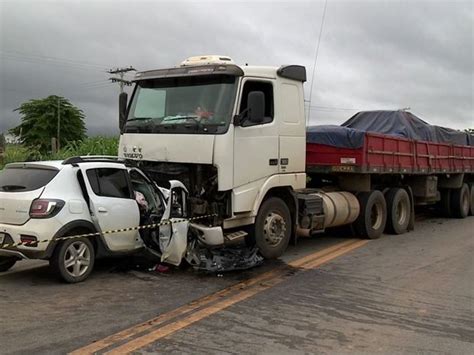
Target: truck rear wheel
x=471 y=190
x=398 y=210
x=444 y=204
x=373 y=214
x=273 y=228
x=460 y=201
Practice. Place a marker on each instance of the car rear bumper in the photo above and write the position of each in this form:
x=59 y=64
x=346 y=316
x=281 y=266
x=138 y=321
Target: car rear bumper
x=41 y=229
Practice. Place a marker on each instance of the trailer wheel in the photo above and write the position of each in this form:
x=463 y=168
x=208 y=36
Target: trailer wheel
x=273 y=228
x=398 y=211
x=471 y=210
x=460 y=202
x=373 y=214
x=444 y=204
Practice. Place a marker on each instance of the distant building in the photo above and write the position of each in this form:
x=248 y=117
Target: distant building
x=11 y=139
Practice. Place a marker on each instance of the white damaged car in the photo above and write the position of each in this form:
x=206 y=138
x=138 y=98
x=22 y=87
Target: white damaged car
x=45 y=206
x=42 y=203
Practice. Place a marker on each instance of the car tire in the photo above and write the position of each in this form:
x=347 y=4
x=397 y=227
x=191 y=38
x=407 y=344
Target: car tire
x=460 y=201
x=398 y=211
x=372 y=216
x=7 y=262
x=73 y=260
x=273 y=228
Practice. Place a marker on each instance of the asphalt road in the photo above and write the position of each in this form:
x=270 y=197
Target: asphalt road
x=412 y=293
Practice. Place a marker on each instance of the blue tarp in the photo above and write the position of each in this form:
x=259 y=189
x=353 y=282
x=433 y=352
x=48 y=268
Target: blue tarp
x=395 y=123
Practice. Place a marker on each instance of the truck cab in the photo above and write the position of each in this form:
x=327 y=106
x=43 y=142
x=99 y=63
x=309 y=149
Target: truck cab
x=234 y=135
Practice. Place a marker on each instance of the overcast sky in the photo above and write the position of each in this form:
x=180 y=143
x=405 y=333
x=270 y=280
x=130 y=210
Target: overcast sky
x=373 y=54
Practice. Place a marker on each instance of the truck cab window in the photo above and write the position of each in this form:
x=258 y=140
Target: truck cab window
x=267 y=89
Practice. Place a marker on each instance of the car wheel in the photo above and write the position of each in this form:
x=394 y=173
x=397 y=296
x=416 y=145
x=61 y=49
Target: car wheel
x=273 y=228
x=6 y=263
x=73 y=259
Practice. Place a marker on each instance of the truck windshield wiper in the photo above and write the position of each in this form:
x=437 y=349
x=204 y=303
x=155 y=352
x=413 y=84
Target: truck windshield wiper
x=177 y=118
x=141 y=119
x=12 y=187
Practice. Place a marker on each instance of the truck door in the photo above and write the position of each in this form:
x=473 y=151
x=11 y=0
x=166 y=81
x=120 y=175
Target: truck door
x=256 y=145
x=112 y=203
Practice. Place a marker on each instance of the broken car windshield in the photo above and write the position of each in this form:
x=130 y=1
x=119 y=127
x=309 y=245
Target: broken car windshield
x=177 y=104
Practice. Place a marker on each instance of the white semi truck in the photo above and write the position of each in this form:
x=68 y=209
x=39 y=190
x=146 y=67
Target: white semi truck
x=236 y=137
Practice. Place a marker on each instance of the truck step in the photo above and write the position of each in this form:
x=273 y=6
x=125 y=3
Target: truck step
x=235 y=237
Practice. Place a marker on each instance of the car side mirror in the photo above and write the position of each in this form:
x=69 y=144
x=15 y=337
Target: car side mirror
x=256 y=106
x=123 y=97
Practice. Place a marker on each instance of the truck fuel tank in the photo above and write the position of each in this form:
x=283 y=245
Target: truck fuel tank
x=319 y=210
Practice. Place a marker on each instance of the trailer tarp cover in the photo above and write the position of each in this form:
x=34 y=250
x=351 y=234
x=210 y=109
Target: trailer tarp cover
x=335 y=136
x=394 y=123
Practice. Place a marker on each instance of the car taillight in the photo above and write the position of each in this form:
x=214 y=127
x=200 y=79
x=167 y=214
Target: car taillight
x=44 y=208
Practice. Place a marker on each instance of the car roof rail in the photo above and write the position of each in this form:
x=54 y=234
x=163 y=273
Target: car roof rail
x=93 y=158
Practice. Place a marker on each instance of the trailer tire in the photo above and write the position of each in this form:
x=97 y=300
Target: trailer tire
x=444 y=204
x=373 y=214
x=398 y=211
x=460 y=201
x=273 y=227
x=471 y=209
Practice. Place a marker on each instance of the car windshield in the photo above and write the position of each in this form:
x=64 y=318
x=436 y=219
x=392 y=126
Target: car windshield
x=195 y=104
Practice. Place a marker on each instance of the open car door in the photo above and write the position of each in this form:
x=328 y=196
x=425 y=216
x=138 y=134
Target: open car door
x=112 y=203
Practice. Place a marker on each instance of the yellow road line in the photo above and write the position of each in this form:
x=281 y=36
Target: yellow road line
x=244 y=290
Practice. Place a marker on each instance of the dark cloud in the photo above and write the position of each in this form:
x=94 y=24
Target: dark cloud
x=373 y=54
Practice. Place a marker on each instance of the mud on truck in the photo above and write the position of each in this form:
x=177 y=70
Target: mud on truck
x=236 y=137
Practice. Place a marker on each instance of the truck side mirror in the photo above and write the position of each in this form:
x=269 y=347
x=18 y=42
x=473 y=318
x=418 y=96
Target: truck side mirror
x=256 y=106
x=123 y=97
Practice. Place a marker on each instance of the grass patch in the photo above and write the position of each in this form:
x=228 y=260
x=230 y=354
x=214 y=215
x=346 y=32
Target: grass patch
x=90 y=146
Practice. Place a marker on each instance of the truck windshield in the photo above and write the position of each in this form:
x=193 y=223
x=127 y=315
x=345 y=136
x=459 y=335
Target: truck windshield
x=199 y=104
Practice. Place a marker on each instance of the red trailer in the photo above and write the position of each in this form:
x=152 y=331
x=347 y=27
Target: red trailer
x=393 y=174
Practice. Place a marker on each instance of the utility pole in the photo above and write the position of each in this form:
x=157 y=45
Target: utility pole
x=120 y=78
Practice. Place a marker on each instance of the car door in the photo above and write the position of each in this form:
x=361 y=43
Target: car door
x=112 y=203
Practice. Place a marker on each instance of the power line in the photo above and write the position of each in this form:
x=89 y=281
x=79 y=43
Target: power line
x=316 y=57
x=52 y=59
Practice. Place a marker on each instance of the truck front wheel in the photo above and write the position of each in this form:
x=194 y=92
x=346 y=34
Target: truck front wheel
x=273 y=228
x=398 y=210
x=373 y=214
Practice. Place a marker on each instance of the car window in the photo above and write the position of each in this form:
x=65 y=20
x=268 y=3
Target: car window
x=25 y=179
x=109 y=182
x=140 y=184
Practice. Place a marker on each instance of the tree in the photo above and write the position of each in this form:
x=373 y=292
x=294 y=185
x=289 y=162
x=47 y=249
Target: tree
x=39 y=122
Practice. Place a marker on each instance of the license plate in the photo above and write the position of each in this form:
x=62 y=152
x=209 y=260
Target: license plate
x=2 y=238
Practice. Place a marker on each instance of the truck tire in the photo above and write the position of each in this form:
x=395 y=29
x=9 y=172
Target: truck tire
x=7 y=262
x=373 y=214
x=471 y=209
x=398 y=210
x=273 y=227
x=73 y=260
x=460 y=201
x=444 y=204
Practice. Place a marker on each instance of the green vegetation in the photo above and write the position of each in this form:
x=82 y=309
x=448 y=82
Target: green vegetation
x=39 y=123
x=88 y=146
